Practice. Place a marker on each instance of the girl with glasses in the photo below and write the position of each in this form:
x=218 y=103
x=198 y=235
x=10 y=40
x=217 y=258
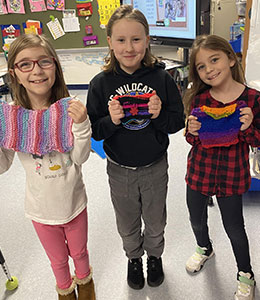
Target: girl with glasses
x=55 y=197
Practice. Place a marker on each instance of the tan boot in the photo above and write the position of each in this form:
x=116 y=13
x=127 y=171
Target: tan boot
x=85 y=286
x=67 y=294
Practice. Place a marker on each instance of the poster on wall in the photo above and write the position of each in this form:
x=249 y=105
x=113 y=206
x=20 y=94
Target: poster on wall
x=106 y=9
x=37 y=5
x=3 y=9
x=32 y=27
x=55 y=28
x=15 y=6
x=9 y=33
x=56 y=4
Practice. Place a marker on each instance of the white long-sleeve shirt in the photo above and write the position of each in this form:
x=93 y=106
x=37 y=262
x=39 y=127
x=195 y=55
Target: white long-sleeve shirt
x=55 y=192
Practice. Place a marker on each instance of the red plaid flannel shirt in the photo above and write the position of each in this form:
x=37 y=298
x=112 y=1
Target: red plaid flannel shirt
x=223 y=171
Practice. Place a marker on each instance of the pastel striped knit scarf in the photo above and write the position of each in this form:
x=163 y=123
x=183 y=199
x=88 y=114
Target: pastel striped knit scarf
x=36 y=131
x=219 y=126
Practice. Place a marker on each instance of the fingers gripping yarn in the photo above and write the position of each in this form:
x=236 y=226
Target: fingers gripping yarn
x=36 y=131
x=135 y=106
x=219 y=125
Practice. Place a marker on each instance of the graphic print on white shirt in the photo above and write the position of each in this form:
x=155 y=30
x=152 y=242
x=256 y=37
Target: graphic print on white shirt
x=54 y=168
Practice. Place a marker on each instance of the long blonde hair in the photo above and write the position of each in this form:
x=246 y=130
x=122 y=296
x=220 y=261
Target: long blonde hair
x=128 y=12
x=212 y=42
x=19 y=94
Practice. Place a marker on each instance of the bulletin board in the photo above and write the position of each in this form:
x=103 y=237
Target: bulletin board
x=70 y=39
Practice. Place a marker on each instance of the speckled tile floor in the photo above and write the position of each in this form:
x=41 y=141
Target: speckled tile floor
x=27 y=260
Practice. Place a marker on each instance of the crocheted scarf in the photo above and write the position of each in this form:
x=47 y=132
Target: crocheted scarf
x=36 y=131
x=134 y=106
x=219 y=126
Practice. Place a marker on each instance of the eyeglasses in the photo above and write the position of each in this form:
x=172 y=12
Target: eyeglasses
x=28 y=65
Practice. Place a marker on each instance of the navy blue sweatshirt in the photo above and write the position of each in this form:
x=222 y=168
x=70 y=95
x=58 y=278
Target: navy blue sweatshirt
x=139 y=142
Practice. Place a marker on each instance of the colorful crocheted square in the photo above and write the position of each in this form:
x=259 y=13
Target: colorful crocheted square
x=36 y=131
x=135 y=106
x=219 y=126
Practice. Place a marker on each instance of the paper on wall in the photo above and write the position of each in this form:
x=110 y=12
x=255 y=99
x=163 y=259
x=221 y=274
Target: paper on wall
x=106 y=9
x=15 y=6
x=71 y=24
x=37 y=5
x=3 y=9
x=55 y=28
x=69 y=13
x=56 y=4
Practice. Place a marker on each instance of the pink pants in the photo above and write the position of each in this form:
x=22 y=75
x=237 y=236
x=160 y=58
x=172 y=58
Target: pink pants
x=62 y=241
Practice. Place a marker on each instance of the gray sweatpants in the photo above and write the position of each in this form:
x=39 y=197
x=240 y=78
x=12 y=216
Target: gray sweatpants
x=138 y=195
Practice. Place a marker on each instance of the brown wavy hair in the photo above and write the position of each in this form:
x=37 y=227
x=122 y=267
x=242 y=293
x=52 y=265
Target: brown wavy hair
x=197 y=86
x=128 y=12
x=19 y=94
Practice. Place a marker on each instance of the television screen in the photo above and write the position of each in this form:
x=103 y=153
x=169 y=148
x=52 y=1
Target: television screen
x=171 y=22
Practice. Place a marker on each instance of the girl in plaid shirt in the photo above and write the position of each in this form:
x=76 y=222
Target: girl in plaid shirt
x=223 y=170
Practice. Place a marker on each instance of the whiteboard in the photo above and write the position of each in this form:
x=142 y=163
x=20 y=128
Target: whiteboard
x=80 y=66
x=252 y=71
x=3 y=65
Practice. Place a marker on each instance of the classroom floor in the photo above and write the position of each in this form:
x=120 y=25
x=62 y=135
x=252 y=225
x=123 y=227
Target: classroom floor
x=27 y=260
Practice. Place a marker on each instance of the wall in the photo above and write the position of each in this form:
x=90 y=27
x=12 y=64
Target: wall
x=253 y=51
x=223 y=15
x=89 y=60
x=70 y=39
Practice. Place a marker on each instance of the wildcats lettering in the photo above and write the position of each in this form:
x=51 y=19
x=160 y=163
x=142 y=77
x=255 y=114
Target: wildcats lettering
x=133 y=87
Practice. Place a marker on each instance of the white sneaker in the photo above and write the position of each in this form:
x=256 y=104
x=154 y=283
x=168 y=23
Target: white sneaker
x=197 y=260
x=245 y=287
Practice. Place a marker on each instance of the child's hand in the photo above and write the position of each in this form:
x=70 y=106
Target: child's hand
x=193 y=125
x=116 y=111
x=154 y=105
x=77 y=111
x=246 y=117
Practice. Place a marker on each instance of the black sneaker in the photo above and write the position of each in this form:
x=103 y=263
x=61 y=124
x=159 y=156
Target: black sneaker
x=135 y=276
x=155 y=275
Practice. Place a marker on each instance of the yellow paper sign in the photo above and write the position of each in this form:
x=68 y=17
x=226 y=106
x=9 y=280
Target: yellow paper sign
x=106 y=9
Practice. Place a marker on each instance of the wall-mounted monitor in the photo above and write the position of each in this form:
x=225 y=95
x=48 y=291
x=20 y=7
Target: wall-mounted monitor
x=171 y=22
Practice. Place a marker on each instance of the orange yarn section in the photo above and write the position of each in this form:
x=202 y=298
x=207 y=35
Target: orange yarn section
x=219 y=112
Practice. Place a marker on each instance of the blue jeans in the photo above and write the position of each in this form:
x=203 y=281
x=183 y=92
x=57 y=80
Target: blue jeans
x=231 y=209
